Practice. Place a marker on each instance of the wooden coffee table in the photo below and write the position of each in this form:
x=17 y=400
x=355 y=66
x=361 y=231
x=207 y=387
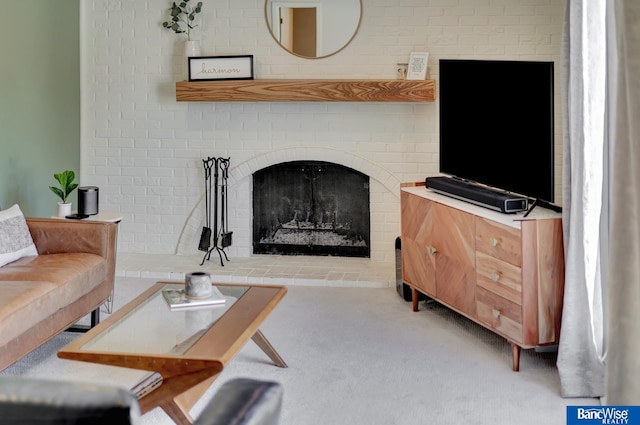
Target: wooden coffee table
x=187 y=348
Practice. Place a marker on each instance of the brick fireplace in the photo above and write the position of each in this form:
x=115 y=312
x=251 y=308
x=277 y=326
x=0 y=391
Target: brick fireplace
x=383 y=188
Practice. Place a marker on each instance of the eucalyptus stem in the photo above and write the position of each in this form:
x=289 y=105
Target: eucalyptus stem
x=182 y=16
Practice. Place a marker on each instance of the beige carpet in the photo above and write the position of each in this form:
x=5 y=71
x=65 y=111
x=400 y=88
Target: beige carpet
x=360 y=356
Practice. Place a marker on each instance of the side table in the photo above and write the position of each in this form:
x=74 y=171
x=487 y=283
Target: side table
x=115 y=217
x=112 y=216
x=108 y=216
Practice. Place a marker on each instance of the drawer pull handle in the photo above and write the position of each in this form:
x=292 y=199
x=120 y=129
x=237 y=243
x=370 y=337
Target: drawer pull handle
x=432 y=250
x=496 y=313
x=495 y=277
x=493 y=242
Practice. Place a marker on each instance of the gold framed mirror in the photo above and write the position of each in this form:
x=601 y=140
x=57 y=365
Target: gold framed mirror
x=313 y=29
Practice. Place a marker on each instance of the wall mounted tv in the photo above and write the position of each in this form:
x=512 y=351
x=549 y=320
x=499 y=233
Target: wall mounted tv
x=496 y=124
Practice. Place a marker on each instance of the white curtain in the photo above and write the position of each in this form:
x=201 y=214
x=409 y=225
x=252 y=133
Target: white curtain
x=623 y=289
x=600 y=336
x=581 y=350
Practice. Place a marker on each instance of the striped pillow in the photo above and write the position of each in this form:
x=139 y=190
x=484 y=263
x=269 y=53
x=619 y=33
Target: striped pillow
x=15 y=239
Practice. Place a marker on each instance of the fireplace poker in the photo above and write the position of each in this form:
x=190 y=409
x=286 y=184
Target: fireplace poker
x=205 y=237
x=225 y=234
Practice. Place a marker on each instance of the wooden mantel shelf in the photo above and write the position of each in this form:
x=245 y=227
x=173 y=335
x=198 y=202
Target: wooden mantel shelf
x=306 y=91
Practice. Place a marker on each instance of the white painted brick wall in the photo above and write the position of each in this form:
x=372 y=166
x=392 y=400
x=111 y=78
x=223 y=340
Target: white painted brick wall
x=144 y=150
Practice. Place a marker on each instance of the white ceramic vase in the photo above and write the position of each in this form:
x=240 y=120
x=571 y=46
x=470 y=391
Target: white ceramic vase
x=191 y=49
x=198 y=285
x=64 y=209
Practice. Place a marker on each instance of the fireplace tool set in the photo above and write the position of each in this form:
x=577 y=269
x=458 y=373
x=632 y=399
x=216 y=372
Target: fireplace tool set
x=220 y=236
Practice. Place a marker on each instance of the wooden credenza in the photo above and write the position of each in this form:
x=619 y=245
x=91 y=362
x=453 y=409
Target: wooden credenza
x=503 y=271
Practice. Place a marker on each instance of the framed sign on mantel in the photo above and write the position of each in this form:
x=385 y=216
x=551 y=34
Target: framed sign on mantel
x=212 y=68
x=417 y=69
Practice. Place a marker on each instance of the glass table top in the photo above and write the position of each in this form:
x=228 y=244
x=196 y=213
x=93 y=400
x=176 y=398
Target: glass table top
x=153 y=328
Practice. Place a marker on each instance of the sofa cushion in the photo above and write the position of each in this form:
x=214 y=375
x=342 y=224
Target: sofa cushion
x=22 y=305
x=88 y=269
x=15 y=239
x=33 y=288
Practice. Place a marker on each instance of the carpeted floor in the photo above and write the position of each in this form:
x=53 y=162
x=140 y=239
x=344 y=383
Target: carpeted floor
x=360 y=356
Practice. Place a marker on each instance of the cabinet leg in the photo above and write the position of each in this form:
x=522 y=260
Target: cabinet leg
x=415 y=296
x=515 y=355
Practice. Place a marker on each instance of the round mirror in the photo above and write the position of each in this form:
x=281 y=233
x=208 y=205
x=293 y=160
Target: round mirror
x=313 y=28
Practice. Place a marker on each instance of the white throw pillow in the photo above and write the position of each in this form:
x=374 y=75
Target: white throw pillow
x=15 y=240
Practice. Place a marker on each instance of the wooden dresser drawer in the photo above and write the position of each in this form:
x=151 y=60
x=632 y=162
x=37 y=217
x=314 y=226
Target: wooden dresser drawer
x=499 y=241
x=499 y=313
x=499 y=277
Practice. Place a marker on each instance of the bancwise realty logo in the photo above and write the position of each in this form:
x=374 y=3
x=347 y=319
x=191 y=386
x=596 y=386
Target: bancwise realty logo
x=603 y=415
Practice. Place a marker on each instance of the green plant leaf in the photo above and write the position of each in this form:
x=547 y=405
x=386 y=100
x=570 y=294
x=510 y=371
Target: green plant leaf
x=61 y=178
x=70 y=175
x=58 y=192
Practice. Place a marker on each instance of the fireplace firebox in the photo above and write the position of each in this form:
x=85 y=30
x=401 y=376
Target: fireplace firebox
x=311 y=208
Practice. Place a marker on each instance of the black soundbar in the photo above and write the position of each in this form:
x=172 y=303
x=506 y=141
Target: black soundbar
x=477 y=194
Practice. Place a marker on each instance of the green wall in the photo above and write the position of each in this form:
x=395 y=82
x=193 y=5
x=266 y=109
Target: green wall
x=39 y=101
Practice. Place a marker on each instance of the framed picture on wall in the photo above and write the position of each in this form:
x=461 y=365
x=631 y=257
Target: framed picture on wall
x=210 y=68
x=417 y=69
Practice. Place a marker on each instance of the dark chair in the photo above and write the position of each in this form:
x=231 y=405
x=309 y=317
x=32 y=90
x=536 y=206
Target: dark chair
x=23 y=401
x=38 y=401
x=243 y=401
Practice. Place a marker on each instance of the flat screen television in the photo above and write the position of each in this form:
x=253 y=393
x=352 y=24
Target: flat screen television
x=497 y=124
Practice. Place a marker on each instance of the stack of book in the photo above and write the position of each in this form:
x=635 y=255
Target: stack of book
x=177 y=299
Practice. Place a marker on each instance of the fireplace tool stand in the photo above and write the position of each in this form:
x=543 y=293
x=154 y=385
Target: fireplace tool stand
x=221 y=236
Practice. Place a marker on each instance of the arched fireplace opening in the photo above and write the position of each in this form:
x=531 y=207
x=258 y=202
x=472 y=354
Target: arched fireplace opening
x=311 y=208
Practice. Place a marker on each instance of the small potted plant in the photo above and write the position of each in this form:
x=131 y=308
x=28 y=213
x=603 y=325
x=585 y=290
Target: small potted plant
x=65 y=179
x=182 y=21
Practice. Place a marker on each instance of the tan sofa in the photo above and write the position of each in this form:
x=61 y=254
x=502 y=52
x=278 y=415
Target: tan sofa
x=43 y=295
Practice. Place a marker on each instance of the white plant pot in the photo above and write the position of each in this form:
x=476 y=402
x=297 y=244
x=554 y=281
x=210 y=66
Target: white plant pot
x=64 y=209
x=191 y=49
